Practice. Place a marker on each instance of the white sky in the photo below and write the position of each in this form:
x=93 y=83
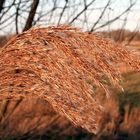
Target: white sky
x=116 y=7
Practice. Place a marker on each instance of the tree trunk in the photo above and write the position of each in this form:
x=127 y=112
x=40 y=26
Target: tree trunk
x=1 y=5
x=31 y=15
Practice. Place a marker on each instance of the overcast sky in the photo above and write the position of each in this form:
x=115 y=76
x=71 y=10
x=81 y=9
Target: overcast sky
x=116 y=7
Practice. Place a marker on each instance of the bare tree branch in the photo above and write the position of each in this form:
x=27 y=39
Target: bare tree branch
x=63 y=10
x=81 y=12
x=100 y=17
x=4 y=13
x=17 y=14
x=114 y=19
x=31 y=15
x=1 y=5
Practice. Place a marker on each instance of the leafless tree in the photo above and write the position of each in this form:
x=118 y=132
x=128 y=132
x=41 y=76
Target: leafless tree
x=31 y=15
x=91 y=15
x=1 y=4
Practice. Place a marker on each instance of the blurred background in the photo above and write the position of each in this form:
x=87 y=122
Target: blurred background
x=90 y=15
x=34 y=118
x=119 y=18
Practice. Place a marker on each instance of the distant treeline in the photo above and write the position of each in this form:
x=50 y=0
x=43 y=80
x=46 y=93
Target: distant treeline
x=122 y=35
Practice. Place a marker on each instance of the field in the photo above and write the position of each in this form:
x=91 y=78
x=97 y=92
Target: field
x=34 y=118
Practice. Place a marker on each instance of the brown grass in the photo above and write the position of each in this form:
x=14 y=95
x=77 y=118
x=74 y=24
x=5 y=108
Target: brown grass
x=63 y=66
x=20 y=117
x=120 y=121
x=32 y=117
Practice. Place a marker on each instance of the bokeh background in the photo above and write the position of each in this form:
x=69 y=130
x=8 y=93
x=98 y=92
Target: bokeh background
x=34 y=118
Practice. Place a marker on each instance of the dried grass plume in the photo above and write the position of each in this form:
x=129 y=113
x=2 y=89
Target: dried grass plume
x=63 y=65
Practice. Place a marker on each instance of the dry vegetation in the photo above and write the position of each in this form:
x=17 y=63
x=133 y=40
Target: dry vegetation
x=60 y=76
x=122 y=35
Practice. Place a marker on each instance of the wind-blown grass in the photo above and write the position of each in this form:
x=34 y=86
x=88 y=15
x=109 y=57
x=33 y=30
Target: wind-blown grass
x=62 y=65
